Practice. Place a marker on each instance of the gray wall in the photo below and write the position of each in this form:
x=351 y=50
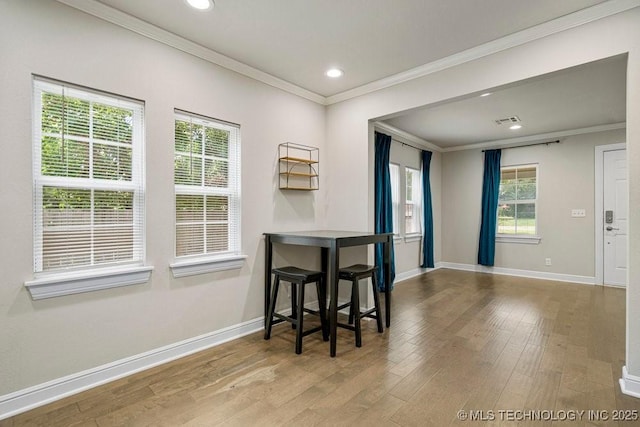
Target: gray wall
x=48 y=339
x=565 y=182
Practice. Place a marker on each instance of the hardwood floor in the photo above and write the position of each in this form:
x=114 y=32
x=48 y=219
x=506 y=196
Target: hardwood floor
x=458 y=341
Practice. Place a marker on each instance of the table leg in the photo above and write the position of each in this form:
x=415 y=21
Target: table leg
x=268 y=259
x=387 y=281
x=333 y=297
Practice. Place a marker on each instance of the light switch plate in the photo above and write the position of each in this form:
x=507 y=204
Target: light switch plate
x=578 y=213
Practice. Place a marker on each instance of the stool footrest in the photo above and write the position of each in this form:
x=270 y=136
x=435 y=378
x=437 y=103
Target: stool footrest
x=311 y=331
x=345 y=305
x=369 y=313
x=345 y=326
x=283 y=318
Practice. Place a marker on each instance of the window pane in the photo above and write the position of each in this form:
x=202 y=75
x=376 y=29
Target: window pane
x=508 y=176
x=189 y=239
x=507 y=218
x=64 y=158
x=182 y=136
x=111 y=162
x=189 y=208
x=217 y=142
x=216 y=173
x=526 y=218
x=217 y=238
x=195 y=138
x=58 y=109
x=188 y=169
x=112 y=123
x=507 y=191
x=66 y=224
x=526 y=184
x=113 y=207
x=217 y=208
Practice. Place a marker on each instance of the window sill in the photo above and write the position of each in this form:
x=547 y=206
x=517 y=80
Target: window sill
x=527 y=240
x=412 y=238
x=56 y=285
x=196 y=266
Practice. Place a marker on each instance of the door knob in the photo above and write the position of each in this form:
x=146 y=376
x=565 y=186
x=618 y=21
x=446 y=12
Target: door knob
x=610 y=228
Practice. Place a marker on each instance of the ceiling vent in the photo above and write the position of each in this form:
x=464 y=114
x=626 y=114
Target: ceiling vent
x=508 y=120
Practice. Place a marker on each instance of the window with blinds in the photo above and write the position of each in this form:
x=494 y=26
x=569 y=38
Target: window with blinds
x=88 y=178
x=517 y=200
x=413 y=201
x=207 y=186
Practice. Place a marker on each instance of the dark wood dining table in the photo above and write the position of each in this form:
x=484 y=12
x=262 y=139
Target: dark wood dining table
x=330 y=242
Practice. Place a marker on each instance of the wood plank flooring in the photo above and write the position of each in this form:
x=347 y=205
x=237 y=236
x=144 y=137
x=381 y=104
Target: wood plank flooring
x=458 y=341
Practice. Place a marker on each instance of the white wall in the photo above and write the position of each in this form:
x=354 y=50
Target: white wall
x=349 y=136
x=565 y=181
x=48 y=339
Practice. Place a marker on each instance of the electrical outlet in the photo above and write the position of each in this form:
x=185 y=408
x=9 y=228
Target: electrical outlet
x=547 y=261
x=578 y=213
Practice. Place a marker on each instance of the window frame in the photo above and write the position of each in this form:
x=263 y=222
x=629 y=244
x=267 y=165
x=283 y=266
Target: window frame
x=48 y=283
x=521 y=238
x=207 y=262
x=414 y=235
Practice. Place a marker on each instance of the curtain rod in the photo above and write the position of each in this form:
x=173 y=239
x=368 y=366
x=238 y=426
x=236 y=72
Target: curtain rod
x=408 y=145
x=557 y=141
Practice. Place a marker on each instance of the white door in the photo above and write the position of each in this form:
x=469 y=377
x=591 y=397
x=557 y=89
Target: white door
x=615 y=217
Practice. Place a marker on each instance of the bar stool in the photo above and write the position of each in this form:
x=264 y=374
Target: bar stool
x=298 y=278
x=355 y=273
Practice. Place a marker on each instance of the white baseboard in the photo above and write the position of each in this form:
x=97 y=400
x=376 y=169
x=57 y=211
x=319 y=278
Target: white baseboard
x=521 y=273
x=629 y=384
x=405 y=275
x=32 y=397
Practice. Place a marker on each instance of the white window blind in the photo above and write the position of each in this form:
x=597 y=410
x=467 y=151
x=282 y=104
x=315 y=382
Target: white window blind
x=207 y=186
x=413 y=201
x=88 y=178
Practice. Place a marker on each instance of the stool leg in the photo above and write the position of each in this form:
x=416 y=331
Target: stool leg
x=355 y=304
x=322 y=308
x=294 y=302
x=272 y=307
x=351 y=307
x=300 y=315
x=376 y=301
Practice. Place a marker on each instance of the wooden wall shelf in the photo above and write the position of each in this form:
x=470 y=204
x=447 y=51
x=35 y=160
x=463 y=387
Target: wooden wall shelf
x=298 y=167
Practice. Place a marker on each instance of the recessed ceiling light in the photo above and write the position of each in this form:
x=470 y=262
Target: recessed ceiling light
x=334 y=73
x=515 y=127
x=200 y=4
x=485 y=94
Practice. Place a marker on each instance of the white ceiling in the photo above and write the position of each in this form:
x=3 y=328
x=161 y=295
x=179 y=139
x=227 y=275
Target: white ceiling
x=297 y=41
x=290 y=44
x=581 y=97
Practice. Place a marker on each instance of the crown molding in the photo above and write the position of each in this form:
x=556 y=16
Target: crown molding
x=406 y=136
x=581 y=17
x=114 y=16
x=514 y=142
